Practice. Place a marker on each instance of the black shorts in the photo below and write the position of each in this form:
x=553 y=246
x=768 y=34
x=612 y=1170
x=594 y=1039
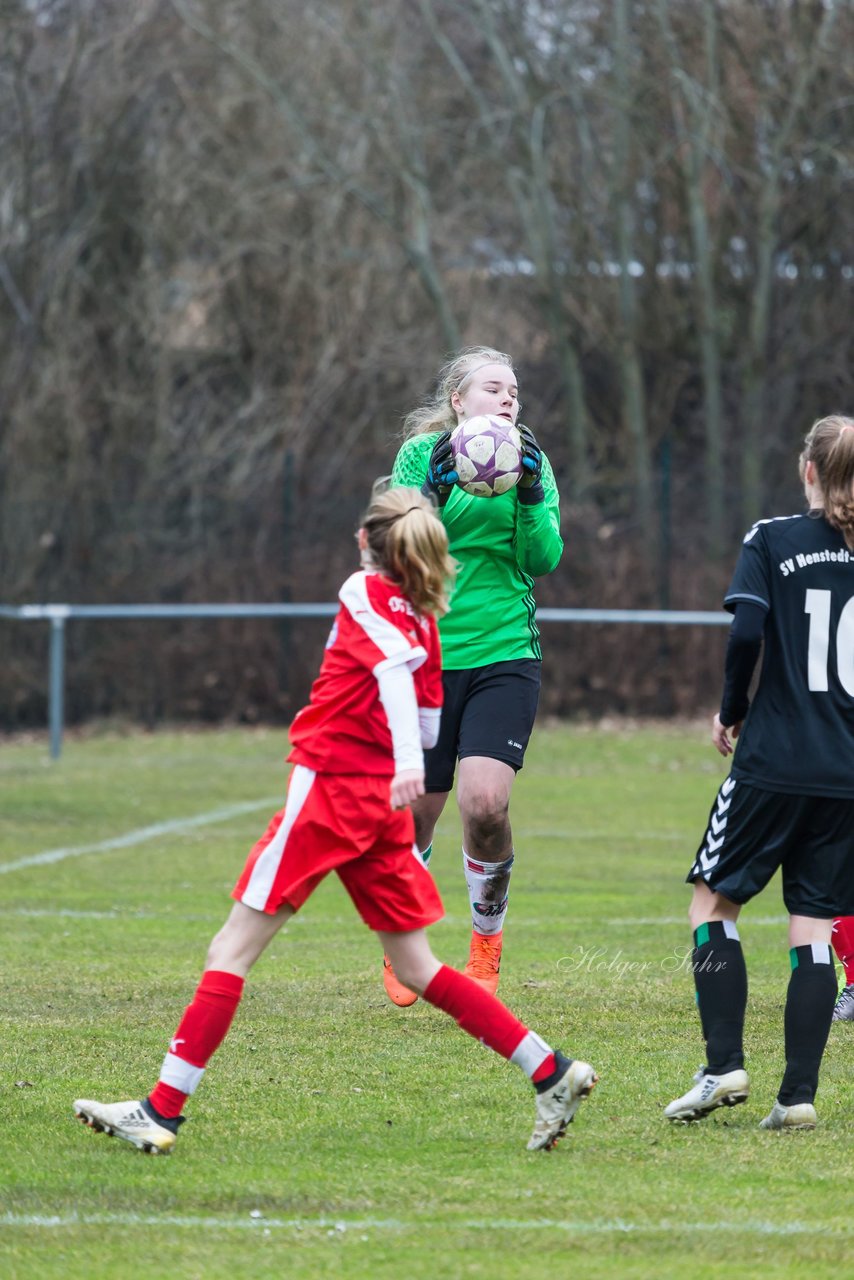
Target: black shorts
x=810 y=838
x=487 y=711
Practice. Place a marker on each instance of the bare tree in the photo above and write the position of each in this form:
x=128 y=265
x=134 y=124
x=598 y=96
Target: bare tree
x=237 y=238
x=623 y=186
x=697 y=114
x=513 y=131
x=409 y=226
x=781 y=85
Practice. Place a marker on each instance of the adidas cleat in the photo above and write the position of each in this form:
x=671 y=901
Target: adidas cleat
x=132 y=1121
x=556 y=1106
x=800 y=1115
x=709 y=1093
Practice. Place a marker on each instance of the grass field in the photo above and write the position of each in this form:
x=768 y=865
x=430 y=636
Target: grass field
x=337 y=1135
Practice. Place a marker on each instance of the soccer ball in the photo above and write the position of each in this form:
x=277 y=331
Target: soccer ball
x=487 y=455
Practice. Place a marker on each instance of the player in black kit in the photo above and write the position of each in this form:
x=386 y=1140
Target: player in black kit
x=789 y=799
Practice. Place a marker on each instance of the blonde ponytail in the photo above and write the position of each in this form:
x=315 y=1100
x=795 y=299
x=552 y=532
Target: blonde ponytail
x=408 y=542
x=829 y=446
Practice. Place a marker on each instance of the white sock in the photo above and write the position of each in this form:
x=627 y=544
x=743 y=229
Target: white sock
x=530 y=1053
x=487 y=883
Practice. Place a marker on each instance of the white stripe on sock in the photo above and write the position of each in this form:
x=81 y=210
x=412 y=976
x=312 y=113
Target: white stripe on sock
x=821 y=953
x=530 y=1053
x=180 y=1074
x=731 y=929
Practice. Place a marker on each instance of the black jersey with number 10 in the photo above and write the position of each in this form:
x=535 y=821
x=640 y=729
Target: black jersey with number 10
x=799 y=732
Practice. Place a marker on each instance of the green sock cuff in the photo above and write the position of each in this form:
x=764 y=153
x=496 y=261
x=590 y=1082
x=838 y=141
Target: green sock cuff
x=717 y=931
x=426 y=854
x=701 y=935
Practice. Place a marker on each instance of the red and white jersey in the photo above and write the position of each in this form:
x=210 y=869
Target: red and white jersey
x=345 y=728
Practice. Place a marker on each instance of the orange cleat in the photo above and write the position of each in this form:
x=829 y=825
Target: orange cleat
x=397 y=993
x=485 y=960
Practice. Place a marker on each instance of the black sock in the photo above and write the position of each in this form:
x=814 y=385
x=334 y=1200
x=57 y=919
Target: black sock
x=809 y=1009
x=720 y=977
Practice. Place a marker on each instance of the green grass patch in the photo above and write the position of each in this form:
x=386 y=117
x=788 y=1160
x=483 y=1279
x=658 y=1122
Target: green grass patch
x=337 y=1135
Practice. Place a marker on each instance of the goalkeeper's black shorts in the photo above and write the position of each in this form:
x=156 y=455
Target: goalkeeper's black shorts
x=487 y=711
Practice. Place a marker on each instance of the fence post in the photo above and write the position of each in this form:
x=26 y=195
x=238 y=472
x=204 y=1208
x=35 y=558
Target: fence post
x=56 y=684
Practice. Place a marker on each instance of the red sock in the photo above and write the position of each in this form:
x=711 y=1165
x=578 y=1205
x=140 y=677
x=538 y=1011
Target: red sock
x=546 y=1069
x=484 y=1016
x=167 y=1101
x=201 y=1031
x=843 y=944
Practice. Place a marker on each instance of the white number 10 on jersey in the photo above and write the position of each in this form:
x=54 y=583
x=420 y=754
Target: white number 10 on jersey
x=817 y=605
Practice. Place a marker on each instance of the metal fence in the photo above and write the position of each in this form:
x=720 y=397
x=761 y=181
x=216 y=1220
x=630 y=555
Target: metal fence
x=57 y=615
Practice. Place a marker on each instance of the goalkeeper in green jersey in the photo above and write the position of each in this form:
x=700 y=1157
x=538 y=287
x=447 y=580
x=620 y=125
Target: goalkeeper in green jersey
x=490 y=641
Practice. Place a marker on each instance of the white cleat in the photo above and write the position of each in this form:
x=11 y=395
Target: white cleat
x=128 y=1120
x=556 y=1107
x=800 y=1115
x=709 y=1093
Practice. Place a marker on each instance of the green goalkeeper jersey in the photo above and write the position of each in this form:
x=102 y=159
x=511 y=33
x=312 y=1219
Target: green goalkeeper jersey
x=500 y=546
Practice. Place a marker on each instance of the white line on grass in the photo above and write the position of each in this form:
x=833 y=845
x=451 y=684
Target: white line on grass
x=450 y=920
x=683 y=920
x=341 y=1226
x=574 y=923
x=575 y=833
x=139 y=836
x=233 y=811
x=68 y=913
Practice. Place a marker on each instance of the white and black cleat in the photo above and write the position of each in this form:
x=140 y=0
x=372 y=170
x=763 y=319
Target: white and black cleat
x=132 y=1121
x=709 y=1093
x=557 y=1104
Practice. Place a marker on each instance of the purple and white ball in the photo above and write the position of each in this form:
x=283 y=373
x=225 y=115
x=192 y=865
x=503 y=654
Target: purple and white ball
x=487 y=455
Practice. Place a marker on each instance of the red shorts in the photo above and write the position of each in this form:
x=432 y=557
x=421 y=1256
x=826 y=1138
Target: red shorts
x=342 y=823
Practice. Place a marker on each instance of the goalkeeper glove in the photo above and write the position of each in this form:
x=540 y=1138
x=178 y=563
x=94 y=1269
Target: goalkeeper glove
x=442 y=474
x=530 y=487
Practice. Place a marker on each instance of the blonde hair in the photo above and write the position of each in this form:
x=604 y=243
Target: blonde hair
x=408 y=542
x=829 y=446
x=438 y=414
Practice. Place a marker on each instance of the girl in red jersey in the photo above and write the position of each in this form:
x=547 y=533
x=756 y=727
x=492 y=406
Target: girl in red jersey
x=358 y=765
